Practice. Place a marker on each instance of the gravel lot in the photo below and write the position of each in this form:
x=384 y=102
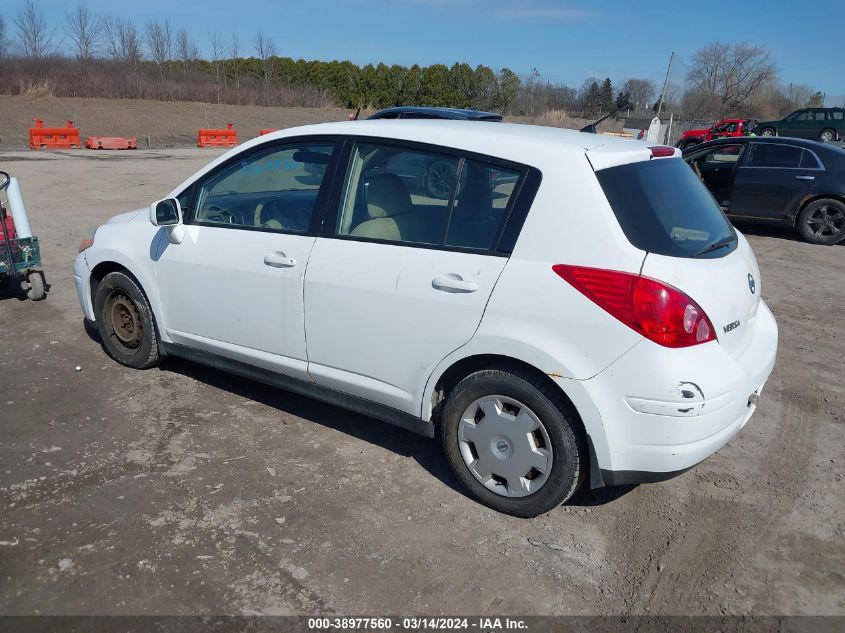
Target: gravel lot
x=182 y=490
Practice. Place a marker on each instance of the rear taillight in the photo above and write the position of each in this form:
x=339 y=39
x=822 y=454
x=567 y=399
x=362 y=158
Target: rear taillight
x=661 y=151
x=658 y=311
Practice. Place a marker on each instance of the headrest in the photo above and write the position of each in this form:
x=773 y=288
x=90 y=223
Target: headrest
x=387 y=196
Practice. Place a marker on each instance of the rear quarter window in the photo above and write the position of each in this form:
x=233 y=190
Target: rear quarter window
x=663 y=208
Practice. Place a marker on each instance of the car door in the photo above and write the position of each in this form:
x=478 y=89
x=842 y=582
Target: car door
x=803 y=126
x=773 y=179
x=402 y=277
x=233 y=284
x=716 y=168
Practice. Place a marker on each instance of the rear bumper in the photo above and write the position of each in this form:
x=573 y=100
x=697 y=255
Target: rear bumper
x=688 y=404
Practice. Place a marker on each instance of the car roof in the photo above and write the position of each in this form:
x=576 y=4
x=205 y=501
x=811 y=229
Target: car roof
x=495 y=140
x=533 y=145
x=816 y=146
x=445 y=113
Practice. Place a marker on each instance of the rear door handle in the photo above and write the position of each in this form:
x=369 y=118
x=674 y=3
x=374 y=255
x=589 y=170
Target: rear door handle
x=805 y=177
x=278 y=259
x=453 y=283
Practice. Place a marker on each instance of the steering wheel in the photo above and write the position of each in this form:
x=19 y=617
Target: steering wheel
x=263 y=209
x=216 y=214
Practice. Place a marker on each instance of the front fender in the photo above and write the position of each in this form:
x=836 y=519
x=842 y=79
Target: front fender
x=132 y=250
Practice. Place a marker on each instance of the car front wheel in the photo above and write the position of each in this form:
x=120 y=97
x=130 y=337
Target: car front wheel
x=767 y=131
x=823 y=222
x=513 y=441
x=125 y=322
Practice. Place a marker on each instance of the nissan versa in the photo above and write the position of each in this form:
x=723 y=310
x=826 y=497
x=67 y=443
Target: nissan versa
x=576 y=310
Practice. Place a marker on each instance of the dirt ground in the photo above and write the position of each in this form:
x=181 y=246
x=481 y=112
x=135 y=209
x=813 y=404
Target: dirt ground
x=183 y=490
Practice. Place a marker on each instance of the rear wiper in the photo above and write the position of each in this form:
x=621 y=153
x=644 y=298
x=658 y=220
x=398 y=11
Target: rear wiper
x=716 y=246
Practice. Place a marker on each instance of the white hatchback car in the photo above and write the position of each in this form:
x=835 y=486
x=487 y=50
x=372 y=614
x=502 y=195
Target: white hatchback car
x=578 y=308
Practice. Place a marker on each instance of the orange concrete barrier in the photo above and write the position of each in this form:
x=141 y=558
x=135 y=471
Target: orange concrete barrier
x=218 y=138
x=264 y=131
x=41 y=137
x=111 y=142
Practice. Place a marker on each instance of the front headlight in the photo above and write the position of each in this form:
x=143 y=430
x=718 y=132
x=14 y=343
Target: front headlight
x=88 y=240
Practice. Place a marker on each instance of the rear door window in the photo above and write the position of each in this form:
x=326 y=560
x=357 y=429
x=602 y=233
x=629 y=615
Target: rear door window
x=663 y=208
x=774 y=155
x=411 y=195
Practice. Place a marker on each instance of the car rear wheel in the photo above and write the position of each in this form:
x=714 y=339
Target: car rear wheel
x=767 y=131
x=827 y=135
x=823 y=222
x=125 y=322
x=513 y=441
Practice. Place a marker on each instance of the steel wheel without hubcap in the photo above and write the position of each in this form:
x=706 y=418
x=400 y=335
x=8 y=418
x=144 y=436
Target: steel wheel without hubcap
x=505 y=446
x=125 y=321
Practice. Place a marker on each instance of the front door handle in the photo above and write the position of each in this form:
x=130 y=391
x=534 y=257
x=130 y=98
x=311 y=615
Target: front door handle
x=805 y=177
x=453 y=283
x=278 y=259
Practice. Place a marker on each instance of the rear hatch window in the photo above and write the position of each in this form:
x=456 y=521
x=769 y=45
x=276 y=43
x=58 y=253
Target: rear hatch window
x=664 y=208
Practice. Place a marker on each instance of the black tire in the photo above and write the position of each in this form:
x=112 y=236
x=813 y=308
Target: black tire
x=768 y=131
x=827 y=135
x=37 y=290
x=559 y=418
x=440 y=179
x=134 y=340
x=822 y=222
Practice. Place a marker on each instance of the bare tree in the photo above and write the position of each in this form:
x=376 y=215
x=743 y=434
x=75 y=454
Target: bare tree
x=186 y=49
x=640 y=92
x=216 y=57
x=123 y=41
x=35 y=38
x=159 y=42
x=235 y=50
x=81 y=29
x=3 y=40
x=730 y=74
x=265 y=49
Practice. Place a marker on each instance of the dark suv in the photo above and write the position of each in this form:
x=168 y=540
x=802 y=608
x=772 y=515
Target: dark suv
x=824 y=124
x=418 y=112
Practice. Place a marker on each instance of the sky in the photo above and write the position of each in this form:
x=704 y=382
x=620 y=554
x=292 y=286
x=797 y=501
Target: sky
x=566 y=41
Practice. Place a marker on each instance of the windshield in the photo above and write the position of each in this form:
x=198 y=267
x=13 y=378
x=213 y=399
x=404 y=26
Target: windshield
x=664 y=208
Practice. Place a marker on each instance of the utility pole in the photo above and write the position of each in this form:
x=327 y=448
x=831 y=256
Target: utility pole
x=665 y=81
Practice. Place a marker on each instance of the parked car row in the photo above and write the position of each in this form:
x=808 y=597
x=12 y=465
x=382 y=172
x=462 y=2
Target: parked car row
x=823 y=124
x=569 y=309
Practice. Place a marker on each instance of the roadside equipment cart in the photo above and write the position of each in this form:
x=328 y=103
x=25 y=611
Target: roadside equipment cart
x=20 y=256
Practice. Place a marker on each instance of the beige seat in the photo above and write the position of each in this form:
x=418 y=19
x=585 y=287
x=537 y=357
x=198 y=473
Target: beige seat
x=387 y=197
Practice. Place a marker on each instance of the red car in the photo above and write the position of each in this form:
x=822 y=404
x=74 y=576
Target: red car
x=720 y=129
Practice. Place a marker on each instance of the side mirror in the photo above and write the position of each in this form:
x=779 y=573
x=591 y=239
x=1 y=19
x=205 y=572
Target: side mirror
x=166 y=212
